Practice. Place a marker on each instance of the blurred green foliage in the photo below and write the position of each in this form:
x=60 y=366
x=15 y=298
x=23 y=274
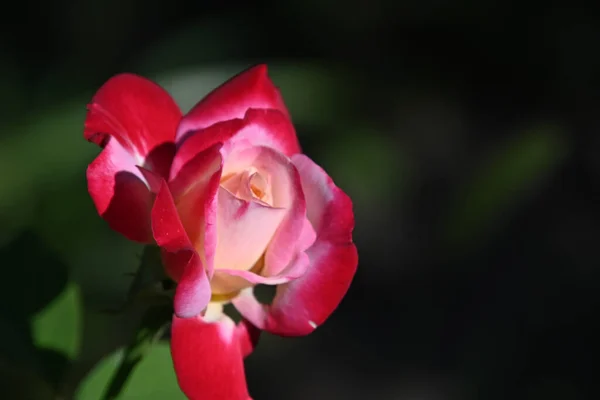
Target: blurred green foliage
x=58 y=326
x=153 y=379
x=502 y=181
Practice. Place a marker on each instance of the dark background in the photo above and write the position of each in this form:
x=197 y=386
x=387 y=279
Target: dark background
x=466 y=133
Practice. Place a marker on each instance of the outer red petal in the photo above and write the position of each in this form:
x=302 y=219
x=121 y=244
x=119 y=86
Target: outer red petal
x=208 y=357
x=135 y=121
x=269 y=128
x=249 y=89
x=305 y=303
x=120 y=193
x=184 y=264
x=137 y=113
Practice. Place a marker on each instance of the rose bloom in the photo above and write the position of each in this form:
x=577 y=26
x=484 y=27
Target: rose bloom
x=233 y=203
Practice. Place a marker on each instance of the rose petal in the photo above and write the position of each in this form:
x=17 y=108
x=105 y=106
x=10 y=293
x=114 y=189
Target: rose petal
x=307 y=237
x=135 y=121
x=195 y=192
x=305 y=303
x=244 y=230
x=140 y=115
x=286 y=193
x=183 y=264
x=249 y=89
x=120 y=193
x=152 y=179
x=193 y=290
x=236 y=280
x=208 y=357
x=248 y=336
x=166 y=224
x=268 y=128
x=244 y=279
x=328 y=208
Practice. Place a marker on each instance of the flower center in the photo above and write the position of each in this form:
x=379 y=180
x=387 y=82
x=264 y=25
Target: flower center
x=259 y=187
x=249 y=185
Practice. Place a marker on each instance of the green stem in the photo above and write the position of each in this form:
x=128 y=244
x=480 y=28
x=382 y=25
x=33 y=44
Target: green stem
x=152 y=328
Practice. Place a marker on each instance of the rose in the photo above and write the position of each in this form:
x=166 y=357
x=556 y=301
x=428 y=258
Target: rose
x=232 y=202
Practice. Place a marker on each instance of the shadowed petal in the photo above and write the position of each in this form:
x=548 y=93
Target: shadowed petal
x=120 y=193
x=134 y=120
x=183 y=263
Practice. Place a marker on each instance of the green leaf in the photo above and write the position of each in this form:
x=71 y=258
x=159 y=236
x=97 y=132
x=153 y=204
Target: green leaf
x=58 y=327
x=94 y=384
x=109 y=332
x=157 y=368
x=116 y=377
x=152 y=328
x=511 y=174
x=153 y=379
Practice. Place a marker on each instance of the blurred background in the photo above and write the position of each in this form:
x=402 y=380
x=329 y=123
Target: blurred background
x=465 y=132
